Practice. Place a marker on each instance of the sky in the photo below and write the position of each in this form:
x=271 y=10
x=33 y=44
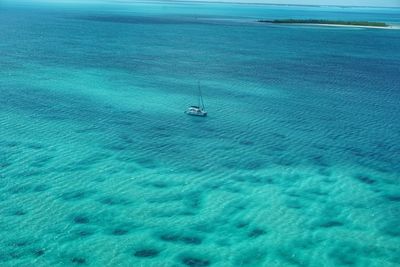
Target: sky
x=374 y=3
x=392 y=3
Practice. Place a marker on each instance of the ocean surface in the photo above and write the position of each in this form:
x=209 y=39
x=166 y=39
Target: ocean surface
x=297 y=164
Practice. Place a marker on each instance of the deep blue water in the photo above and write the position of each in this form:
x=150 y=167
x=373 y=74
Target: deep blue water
x=297 y=164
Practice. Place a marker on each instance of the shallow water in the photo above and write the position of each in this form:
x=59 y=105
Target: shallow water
x=296 y=165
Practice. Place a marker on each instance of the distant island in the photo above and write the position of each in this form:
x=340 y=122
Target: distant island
x=327 y=22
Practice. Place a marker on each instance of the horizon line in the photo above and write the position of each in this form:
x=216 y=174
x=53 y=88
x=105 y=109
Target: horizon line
x=239 y=2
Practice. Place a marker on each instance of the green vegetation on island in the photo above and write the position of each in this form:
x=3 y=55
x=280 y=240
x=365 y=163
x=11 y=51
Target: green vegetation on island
x=327 y=22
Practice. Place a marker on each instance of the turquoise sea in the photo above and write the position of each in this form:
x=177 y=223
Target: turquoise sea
x=297 y=164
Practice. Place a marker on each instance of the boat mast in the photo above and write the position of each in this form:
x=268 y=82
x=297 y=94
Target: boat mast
x=201 y=103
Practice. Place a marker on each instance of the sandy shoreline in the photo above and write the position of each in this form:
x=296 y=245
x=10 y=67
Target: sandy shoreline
x=390 y=27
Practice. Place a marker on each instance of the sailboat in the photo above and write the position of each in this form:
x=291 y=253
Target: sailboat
x=198 y=110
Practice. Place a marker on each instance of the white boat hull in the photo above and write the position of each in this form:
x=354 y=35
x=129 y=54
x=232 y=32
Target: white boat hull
x=196 y=113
